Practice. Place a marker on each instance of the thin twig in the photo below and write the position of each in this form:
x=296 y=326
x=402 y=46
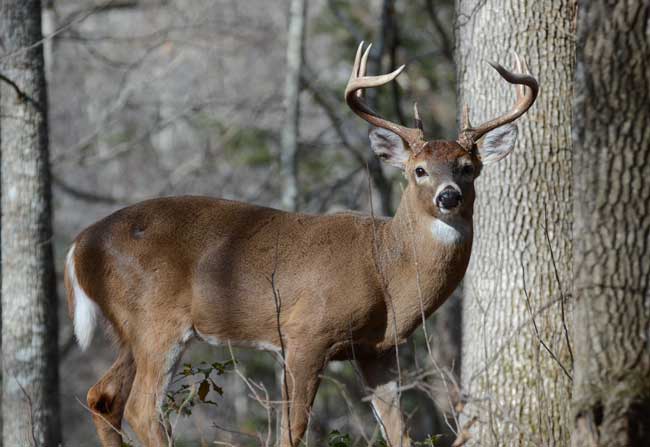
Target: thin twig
x=86 y=196
x=515 y=331
x=344 y=20
x=165 y=417
x=350 y=407
x=234 y=432
x=31 y=411
x=388 y=296
x=57 y=31
x=101 y=416
x=539 y=337
x=278 y=307
x=424 y=320
x=559 y=285
x=329 y=102
x=21 y=95
x=265 y=403
x=445 y=40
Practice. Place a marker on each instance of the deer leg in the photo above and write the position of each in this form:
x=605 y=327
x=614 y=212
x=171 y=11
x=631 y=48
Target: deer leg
x=155 y=367
x=108 y=397
x=380 y=374
x=301 y=379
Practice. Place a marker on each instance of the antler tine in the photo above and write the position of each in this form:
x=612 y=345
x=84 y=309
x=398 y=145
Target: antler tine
x=353 y=96
x=362 y=66
x=525 y=98
x=523 y=69
x=364 y=63
x=357 y=62
x=465 y=123
x=416 y=117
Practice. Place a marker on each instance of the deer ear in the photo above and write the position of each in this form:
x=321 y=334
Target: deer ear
x=389 y=147
x=497 y=144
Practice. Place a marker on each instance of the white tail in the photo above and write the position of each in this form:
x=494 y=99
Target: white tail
x=85 y=310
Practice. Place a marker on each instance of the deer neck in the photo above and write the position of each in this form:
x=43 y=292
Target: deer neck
x=422 y=260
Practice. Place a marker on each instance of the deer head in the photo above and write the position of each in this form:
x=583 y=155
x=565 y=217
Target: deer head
x=441 y=174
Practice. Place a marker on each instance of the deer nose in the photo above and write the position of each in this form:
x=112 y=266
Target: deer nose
x=449 y=198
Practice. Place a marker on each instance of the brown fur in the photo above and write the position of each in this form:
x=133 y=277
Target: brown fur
x=347 y=283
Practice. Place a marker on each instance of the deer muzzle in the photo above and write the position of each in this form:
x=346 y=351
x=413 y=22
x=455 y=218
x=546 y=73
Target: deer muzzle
x=448 y=198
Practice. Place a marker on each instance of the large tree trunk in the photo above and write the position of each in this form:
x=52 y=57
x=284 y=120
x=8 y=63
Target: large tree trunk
x=518 y=391
x=291 y=129
x=30 y=406
x=612 y=224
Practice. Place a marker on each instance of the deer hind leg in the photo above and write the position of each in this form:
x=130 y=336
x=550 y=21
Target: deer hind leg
x=302 y=370
x=155 y=368
x=108 y=397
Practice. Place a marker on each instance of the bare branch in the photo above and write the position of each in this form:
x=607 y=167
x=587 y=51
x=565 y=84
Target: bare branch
x=330 y=103
x=101 y=416
x=424 y=325
x=22 y=96
x=445 y=40
x=386 y=292
x=86 y=196
x=278 y=307
x=31 y=411
x=464 y=435
x=559 y=285
x=532 y=317
x=58 y=31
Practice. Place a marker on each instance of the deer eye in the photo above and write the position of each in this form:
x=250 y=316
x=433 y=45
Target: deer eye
x=420 y=172
x=467 y=170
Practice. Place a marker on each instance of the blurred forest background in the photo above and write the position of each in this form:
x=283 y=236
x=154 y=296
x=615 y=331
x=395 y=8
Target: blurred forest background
x=149 y=98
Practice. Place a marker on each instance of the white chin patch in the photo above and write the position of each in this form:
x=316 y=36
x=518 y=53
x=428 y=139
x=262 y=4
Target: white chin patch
x=446 y=233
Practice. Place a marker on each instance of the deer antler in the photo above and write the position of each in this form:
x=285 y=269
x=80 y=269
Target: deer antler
x=526 y=89
x=414 y=137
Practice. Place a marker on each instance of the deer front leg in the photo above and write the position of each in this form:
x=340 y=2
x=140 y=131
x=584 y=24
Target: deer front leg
x=303 y=366
x=380 y=374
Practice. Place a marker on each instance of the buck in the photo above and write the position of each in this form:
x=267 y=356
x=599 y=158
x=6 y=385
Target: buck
x=352 y=287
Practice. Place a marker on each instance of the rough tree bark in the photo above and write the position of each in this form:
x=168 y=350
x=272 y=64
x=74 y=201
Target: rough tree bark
x=30 y=405
x=612 y=224
x=291 y=130
x=512 y=384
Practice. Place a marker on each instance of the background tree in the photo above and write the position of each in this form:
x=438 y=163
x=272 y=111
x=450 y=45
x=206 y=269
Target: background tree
x=291 y=129
x=30 y=401
x=516 y=375
x=164 y=97
x=612 y=226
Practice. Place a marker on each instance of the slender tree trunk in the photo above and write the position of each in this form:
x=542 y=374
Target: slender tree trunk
x=291 y=130
x=379 y=179
x=518 y=391
x=30 y=406
x=612 y=224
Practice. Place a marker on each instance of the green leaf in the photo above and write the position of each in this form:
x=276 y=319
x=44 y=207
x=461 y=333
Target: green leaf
x=204 y=389
x=216 y=388
x=338 y=439
x=430 y=441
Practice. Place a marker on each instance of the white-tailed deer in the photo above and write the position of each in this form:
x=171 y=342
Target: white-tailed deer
x=172 y=269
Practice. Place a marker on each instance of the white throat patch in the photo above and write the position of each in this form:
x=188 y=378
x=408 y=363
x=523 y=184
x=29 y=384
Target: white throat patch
x=447 y=233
